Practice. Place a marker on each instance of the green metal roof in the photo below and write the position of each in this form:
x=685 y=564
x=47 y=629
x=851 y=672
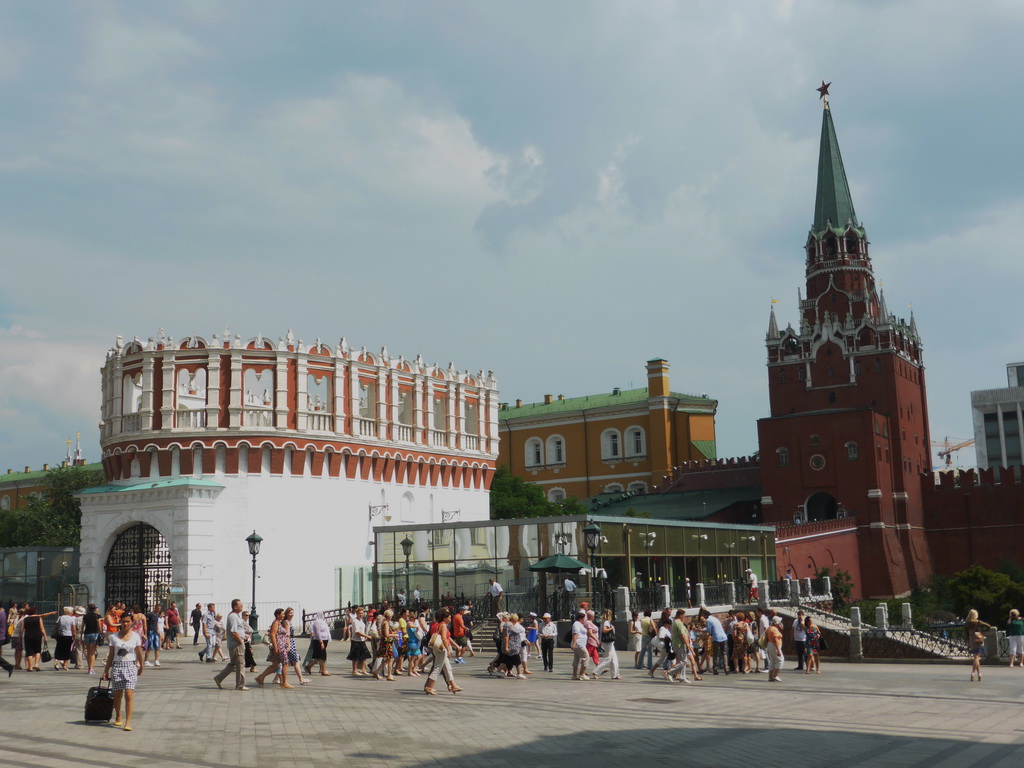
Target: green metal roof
x=145 y=485
x=707 y=447
x=832 y=203
x=696 y=403
x=688 y=505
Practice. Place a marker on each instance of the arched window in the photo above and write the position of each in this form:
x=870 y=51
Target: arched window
x=613 y=488
x=851 y=451
x=611 y=447
x=782 y=377
x=131 y=393
x=801 y=374
x=831 y=397
x=556 y=495
x=636 y=442
x=637 y=487
x=5 y=503
x=815 y=440
x=857 y=368
x=556 y=450
x=783 y=454
x=534 y=452
x=878 y=365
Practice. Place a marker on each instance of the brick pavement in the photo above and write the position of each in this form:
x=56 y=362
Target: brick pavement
x=851 y=715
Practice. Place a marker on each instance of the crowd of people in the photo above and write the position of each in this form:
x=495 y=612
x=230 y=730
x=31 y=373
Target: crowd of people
x=399 y=640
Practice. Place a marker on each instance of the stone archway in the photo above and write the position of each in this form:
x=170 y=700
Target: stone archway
x=821 y=506
x=138 y=562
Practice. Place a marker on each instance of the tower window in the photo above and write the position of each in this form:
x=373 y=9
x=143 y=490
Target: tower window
x=783 y=455
x=801 y=374
x=851 y=451
x=815 y=440
x=828 y=371
x=831 y=397
x=857 y=368
x=782 y=377
x=878 y=365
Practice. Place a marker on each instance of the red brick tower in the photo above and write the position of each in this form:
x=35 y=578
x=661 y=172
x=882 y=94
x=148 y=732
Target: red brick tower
x=848 y=432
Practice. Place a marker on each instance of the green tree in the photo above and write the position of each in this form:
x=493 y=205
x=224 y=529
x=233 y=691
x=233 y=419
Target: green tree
x=842 y=585
x=991 y=594
x=53 y=519
x=513 y=497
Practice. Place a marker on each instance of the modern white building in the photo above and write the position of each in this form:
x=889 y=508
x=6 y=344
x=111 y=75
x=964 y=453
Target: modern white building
x=204 y=442
x=998 y=421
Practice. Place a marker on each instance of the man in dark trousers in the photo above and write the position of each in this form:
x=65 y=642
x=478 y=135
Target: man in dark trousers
x=196 y=619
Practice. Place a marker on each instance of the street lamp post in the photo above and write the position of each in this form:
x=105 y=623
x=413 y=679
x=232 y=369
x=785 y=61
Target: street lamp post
x=407 y=550
x=591 y=534
x=254 y=542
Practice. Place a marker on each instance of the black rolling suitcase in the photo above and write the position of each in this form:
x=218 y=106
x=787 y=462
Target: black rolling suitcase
x=99 y=703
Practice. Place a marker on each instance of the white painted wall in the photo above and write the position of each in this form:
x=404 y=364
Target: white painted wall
x=311 y=527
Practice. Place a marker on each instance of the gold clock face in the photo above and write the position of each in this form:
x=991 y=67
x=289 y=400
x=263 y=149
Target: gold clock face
x=817 y=462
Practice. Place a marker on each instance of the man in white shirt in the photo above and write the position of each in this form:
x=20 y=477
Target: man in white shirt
x=752 y=586
x=236 y=648
x=580 y=657
x=496 y=592
x=799 y=638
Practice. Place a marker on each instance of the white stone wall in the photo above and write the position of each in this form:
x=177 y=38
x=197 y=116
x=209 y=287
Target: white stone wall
x=311 y=527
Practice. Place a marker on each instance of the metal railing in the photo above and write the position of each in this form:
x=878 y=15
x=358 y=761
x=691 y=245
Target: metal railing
x=646 y=599
x=716 y=594
x=779 y=590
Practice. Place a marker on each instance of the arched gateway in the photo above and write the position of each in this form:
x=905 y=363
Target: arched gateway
x=139 y=561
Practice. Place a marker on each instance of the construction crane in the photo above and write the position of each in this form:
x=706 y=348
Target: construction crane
x=949 y=447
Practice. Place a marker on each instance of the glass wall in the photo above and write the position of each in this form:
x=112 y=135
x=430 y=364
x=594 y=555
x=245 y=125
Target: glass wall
x=28 y=575
x=452 y=564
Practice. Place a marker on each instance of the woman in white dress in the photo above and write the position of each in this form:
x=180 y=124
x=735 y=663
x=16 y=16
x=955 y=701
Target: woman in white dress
x=611 y=658
x=124 y=665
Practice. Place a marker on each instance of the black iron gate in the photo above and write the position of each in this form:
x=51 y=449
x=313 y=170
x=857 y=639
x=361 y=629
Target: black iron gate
x=138 y=562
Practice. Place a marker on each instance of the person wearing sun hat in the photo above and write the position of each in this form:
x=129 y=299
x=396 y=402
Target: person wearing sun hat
x=548 y=635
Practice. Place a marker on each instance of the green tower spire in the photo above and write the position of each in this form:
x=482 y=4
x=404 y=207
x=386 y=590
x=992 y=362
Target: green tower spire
x=832 y=203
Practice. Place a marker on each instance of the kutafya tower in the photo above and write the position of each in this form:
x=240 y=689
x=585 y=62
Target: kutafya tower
x=848 y=432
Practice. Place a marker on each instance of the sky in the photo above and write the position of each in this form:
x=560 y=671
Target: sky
x=556 y=192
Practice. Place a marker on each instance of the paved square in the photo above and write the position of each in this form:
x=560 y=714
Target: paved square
x=851 y=715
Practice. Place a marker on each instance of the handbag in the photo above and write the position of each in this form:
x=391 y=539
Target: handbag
x=567 y=637
x=436 y=643
x=822 y=645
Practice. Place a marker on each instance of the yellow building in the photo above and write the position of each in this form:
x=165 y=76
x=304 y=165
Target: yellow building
x=622 y=441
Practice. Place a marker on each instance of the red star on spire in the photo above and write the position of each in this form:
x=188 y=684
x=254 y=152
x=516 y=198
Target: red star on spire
x=823 y=91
